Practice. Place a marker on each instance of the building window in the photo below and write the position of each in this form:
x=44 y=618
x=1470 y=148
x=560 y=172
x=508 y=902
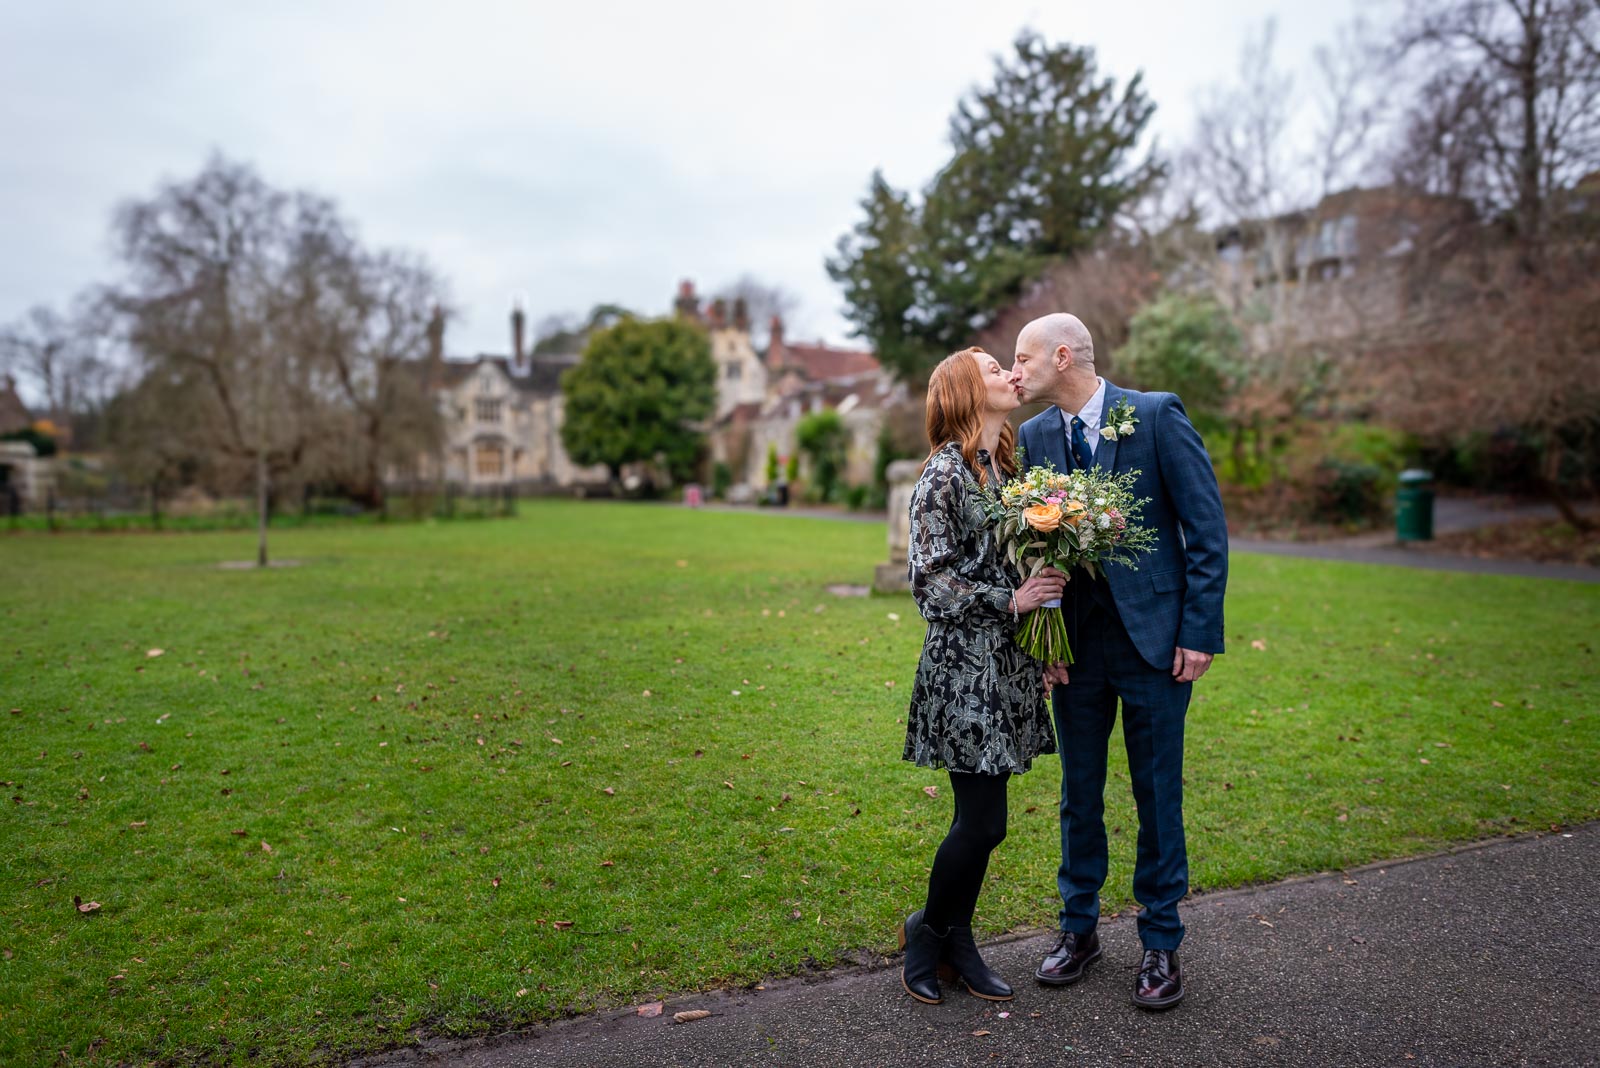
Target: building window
x=489 y=461
x=488 y=410
x=734 y=369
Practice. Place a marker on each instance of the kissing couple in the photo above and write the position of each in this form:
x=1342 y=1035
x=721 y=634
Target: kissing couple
x=1141 y=637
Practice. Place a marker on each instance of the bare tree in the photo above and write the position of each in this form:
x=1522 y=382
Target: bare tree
x=53 y=354
x=377 y=348
x=208 y=300
x=1501 y=323
x=1509 y=109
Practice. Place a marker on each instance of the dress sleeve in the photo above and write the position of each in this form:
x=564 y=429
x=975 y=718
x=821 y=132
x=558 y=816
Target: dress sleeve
x=940 y=590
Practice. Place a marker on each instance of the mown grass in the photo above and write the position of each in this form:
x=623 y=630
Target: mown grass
x=360 y=799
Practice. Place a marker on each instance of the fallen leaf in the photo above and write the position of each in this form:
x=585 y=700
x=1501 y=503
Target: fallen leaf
x=561 y=925
x=137 y=823
x=980 y=1034
x=931 y=791
x=1358 y=940
x=691 y=1015
x=154 y=652
x=607 y=864
x=84 y=906
x=609 y=791
x=728 y=784
x=240 y=832
x=1425 y=760
x=495 y=882
x=1258 y=644
x=523 y=992
x=265 y=848
x=649 y=1010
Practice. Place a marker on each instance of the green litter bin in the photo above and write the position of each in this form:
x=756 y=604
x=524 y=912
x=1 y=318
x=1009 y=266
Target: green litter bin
x=1413 y=516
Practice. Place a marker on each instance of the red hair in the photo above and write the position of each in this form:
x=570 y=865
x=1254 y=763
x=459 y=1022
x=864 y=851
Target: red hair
x=956 y=396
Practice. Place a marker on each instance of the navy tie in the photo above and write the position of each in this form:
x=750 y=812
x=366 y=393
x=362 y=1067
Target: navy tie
x=1080 y=445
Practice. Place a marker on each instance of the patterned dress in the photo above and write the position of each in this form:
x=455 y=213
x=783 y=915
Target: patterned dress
x=978 y=702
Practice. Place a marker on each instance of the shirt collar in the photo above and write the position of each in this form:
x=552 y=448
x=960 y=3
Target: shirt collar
x=1091 y=411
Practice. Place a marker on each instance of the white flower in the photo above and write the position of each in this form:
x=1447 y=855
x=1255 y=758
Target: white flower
x=1110 y=432
x=1104 y=522
x=1099 y=502
x=1125 y=428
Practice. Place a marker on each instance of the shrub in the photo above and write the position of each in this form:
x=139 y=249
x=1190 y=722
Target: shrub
x=721 y=479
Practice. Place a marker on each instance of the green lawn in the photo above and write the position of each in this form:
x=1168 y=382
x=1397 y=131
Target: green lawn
x=452 y=777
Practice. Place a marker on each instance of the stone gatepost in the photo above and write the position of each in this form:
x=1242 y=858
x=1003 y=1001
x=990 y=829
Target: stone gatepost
x=902 y=478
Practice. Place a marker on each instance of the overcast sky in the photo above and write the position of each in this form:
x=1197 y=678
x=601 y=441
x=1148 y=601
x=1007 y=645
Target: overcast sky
x=568 y=153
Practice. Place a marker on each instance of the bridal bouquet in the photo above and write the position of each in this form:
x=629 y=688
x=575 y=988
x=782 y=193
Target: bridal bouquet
x=1081 y=519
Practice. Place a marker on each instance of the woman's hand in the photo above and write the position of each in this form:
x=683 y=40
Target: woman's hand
x=1047 y=585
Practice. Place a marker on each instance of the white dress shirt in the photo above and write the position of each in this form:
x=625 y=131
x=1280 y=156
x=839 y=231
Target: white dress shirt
x=1092 y=409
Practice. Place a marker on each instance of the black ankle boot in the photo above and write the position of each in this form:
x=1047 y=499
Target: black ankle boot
x=961 y=953
x=919 y=975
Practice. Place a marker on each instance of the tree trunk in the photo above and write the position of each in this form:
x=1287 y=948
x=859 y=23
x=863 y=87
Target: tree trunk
x=261 y=507
x=1558 y=496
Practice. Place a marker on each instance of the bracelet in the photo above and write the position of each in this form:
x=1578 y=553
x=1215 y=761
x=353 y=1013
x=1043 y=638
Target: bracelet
x=1013 y=606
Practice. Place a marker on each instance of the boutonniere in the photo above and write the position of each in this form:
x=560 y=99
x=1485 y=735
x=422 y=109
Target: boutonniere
x=1120 y=421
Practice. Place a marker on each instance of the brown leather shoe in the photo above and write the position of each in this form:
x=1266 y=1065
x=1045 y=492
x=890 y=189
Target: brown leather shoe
x=1064 y=964
x=1160 y=983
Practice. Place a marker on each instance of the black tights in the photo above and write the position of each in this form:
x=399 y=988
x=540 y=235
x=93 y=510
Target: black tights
x=963 y=856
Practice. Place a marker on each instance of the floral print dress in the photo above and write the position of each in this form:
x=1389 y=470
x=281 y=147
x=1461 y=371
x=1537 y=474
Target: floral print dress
x=978 y=702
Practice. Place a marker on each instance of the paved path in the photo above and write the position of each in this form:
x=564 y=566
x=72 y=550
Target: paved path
x=1484 y=956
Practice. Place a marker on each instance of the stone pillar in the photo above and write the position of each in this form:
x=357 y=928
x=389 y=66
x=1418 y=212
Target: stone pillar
x=902 y=478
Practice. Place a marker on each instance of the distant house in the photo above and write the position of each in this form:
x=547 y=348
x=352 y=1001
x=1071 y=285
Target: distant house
x=25 y=477
x=502 y=414
x=502 y=420
x=761 y=398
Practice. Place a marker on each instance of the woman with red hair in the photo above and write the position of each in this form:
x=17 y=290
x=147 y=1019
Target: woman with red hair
x=978 y=704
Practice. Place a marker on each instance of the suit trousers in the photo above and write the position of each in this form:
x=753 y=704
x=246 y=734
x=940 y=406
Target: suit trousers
x=1107 y=668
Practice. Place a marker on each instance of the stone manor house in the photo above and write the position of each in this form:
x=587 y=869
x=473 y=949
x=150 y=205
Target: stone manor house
x=502 y=413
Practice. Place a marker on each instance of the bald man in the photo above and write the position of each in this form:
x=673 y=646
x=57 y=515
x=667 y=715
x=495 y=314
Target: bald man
x=1141 y=637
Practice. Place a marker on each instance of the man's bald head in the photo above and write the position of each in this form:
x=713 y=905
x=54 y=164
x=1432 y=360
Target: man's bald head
x=1047 y=334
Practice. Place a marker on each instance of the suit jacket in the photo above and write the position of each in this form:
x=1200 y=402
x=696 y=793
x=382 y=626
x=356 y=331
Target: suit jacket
x=1174 y=598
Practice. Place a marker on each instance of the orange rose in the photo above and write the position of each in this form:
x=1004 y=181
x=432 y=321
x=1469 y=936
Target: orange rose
x=1043 y=517
x=1074 y=511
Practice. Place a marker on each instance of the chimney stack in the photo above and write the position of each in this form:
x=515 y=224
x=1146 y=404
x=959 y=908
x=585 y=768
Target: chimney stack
x=775 y=343
x=717 y=315
x=436 y=348
x=688 y=304
x=741 y=314
x=518 y=322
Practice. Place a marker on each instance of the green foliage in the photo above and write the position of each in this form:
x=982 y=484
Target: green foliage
x=1043 y=160
x=637 y=395
x=721 y=479
x=43 y=444
x=352 y=750
x=1348 y=492
x=857 y=497
x=1185 y=345
x=791 y=469
x=823 y=437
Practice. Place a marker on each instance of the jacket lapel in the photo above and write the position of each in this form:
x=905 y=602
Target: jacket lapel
x=1055 y=440
x=1105 y=454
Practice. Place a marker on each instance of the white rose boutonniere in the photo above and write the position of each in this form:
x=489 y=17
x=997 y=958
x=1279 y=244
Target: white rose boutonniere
x=1120 y=421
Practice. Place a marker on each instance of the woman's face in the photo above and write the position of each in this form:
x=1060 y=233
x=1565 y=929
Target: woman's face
x=1000 y=395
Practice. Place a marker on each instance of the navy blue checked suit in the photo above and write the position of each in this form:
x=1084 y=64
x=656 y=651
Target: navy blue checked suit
x=1124 y=648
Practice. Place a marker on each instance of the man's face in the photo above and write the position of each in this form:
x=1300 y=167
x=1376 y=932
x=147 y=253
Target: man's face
x=1033 y=370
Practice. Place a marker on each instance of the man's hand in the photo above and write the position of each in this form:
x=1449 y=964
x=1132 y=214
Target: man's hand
x=1188 y=665
x=1054 y=675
